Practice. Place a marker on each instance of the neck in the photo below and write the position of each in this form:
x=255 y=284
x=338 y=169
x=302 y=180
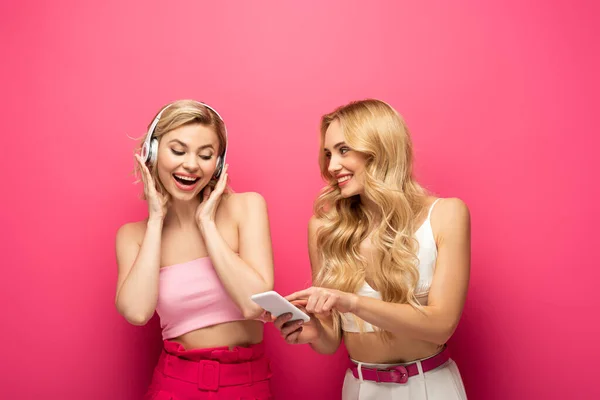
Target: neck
x=182 y=213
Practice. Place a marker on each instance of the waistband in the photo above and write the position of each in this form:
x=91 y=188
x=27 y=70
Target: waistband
x=398 y=373
x=215 y=367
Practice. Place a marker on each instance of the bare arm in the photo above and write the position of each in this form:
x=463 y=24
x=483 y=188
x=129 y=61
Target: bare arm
x=438 y=320
x=138 y=270
x=251 y=271
x=138 y=257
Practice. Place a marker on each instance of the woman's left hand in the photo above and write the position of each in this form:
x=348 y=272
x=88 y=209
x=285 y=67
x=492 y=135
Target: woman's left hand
x=320 y=300
x=207 y=209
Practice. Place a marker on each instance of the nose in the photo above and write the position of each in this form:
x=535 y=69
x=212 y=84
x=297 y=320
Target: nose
x=334 y=165
x=190 y=162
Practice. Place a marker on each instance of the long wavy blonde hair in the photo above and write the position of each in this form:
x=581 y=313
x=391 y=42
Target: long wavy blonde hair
x=375 y=129
x=181 y=113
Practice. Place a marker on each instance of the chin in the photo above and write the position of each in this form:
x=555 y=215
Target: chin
x=183 y=196
x=179 y=195
x=347 y=193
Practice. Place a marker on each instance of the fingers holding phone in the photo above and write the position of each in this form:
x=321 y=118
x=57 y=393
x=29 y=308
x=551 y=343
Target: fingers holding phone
x=297 y=331
x=291 y=319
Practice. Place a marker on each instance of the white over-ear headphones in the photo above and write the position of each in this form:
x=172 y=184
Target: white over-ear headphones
x=150 y=146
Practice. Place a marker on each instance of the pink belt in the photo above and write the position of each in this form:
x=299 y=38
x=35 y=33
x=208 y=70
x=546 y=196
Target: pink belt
x=210 y=375
x=401 y=373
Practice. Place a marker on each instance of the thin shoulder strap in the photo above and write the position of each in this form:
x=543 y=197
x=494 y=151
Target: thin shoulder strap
x=431 y=208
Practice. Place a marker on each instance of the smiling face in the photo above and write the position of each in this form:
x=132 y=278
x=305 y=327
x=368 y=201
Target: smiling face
x=187 y=160
x=344 y=164
x=191 y=137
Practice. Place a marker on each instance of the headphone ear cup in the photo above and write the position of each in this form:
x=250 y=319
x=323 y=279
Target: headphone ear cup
x=145 y=153
x=219 y=167
x=153 y=151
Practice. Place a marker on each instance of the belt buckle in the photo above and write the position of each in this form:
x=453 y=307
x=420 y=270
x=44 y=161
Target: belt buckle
x=208 y=375
x=399 y=374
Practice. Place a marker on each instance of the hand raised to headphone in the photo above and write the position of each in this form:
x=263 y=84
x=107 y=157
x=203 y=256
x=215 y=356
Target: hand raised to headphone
x=206 y=211
x=157 y=203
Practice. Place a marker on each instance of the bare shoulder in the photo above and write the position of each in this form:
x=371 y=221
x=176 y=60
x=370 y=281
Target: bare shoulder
x=451 y=208
x=449 y=216
x=245 y=204
x=131 y=232
x=246 y=199
x=314 y=224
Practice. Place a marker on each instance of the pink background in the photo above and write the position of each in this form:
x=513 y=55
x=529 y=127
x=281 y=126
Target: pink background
x=499 y=99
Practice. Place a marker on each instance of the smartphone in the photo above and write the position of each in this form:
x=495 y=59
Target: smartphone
x=274 y=303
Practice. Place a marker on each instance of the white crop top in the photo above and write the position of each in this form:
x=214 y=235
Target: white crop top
x=427 y=256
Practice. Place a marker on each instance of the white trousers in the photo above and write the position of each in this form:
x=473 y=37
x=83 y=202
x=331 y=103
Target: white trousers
x=441 y=383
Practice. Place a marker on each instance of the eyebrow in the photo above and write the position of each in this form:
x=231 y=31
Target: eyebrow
x=335 y=146
x=185 y=145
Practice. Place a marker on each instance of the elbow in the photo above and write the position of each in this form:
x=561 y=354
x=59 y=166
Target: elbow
x=134 y=317
x=137 y=319
x=445 y=333
x=266 y=286
x=252 y=311
x=330 y=350
x=326 y=348
x=325 y=343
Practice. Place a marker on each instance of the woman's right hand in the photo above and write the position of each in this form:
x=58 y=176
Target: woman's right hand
x=298 y=331
x=157 y=203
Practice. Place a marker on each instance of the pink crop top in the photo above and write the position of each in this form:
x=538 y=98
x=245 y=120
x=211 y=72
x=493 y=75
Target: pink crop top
x=191 y=296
